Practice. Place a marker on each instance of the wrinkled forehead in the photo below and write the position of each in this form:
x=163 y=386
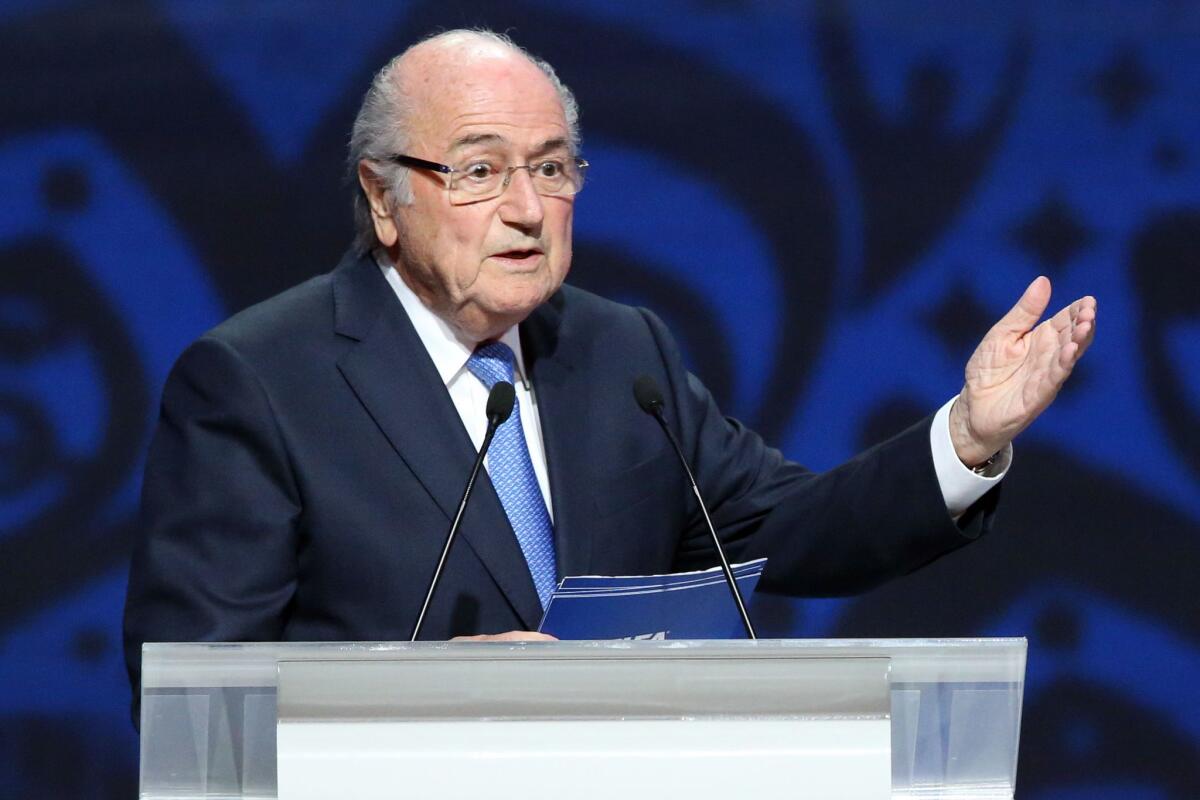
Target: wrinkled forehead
x=469 y=96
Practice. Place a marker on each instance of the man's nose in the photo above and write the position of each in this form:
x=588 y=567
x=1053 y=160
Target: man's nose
x=521 y=204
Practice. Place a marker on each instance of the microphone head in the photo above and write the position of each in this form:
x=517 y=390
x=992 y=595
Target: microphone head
x=500 y=402
x=648 y=395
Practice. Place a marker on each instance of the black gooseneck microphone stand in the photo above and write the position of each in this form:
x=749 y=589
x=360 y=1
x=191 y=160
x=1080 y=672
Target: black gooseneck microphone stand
x=499 y=407
x=650 y=399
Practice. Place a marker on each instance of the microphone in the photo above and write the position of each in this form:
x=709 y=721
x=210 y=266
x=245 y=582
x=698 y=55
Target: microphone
x=650 y=399
x=499 y=407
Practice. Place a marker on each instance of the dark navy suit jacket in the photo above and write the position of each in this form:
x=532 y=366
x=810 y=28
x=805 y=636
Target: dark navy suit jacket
x=308 y=460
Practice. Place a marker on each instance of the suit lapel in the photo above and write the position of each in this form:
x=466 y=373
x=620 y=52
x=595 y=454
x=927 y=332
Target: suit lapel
x=562 y=395
x=396 y=381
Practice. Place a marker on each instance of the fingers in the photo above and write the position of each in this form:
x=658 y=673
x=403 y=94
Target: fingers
x=1078 y=323
x=1085 y=324
x=1082 y=310
x=1029 y=309
x=1083 y=333
x=1075 y=332
x=1066 y=360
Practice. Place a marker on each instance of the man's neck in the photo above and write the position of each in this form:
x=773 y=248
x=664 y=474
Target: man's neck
x=469 y=331
x=448 y=346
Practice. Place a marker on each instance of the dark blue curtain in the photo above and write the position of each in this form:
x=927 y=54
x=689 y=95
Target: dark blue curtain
x=829 y=203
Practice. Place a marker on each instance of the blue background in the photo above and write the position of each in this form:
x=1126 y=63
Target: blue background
x=828 y=202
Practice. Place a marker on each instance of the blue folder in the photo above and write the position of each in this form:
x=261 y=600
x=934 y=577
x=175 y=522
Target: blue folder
x=685 y=605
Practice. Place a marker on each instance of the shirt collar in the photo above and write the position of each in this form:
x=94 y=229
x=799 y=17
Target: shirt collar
x=445 y=345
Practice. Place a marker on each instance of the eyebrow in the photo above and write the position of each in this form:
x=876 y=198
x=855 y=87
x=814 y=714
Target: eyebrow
x=548 y=146
x=475 y=138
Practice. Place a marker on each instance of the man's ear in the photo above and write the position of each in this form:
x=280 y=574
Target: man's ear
x=380 y=204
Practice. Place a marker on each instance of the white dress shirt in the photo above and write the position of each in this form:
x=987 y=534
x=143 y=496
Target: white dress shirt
x=960 y=485
x=450 y=354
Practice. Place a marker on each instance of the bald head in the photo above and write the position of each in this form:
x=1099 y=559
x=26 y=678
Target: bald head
x=440 y=57
x=464 y=70
x=424 y=70
x=420 y=85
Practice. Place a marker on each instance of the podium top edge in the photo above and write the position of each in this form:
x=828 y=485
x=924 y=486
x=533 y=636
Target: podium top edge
x=796 y=646
x=167 y=665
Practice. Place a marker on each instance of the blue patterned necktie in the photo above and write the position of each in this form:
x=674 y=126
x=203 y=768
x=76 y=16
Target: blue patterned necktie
x=511 y=471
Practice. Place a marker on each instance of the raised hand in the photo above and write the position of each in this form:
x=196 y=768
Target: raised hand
x=1017 y=370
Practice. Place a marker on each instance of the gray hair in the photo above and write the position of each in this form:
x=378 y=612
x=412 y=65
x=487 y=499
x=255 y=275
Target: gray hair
x=381 y=130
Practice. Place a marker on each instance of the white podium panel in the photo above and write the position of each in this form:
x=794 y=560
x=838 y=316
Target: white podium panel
x=788 y=718
x=550 y=760
x=635 y=723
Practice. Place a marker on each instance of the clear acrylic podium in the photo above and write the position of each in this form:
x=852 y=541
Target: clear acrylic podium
x=627 y=719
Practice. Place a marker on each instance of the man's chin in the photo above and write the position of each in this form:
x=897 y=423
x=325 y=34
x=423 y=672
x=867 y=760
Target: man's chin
x=497 y=305
x=521 y=296
x=508 y=314
x=481 y=323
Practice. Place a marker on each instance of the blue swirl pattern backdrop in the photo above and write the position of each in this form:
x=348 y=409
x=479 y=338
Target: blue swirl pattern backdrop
x=828 y=202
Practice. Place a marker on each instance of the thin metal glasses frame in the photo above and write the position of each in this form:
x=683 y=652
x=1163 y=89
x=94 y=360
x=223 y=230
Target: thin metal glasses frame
x=445 y=169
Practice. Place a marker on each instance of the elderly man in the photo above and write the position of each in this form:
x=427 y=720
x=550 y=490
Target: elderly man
x=312 y=449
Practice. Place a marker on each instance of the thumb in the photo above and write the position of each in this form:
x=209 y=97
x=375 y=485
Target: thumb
x=1029 y=309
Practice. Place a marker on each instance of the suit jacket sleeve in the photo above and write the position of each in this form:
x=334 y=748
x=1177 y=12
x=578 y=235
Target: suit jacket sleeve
x=217 y=492
x=875 y=517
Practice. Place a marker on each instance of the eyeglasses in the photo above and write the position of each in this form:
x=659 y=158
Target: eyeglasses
x=482 y=179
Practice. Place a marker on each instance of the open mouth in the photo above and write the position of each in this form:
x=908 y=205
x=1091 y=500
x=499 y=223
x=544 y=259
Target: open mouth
x=519 y=256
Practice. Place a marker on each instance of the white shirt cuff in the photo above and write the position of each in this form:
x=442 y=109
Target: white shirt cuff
x=961 y=486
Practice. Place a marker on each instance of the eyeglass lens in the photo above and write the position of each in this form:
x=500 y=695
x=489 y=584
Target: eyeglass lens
x=482 y=180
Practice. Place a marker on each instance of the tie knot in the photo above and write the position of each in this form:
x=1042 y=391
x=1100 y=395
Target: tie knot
x=492 y=363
